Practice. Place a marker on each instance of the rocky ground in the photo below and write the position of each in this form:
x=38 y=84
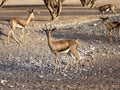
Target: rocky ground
x=29 y=66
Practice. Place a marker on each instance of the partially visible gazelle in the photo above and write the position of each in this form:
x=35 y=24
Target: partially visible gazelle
x=106 y=7
x=62 y=46
x=20 y=23
x=112 y=26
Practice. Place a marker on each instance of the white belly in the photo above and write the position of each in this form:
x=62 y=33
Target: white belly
x=107 y=10
x=66 y=51
x=19 y=26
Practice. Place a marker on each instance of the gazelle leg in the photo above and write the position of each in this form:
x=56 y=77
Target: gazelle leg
x=23 y=35
x=114 y=11
x=69 y=62
x=103 y=14
x=59 y=62
x=56 y=62
x=9 y=33
x=77 y=58
x=110 y=36
x=15 y=37
x=73 y=50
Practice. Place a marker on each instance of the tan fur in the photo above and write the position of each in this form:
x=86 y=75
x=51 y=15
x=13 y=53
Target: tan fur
x=106 y=7
x=19 y=23
x=62 y=46
x=112 y=26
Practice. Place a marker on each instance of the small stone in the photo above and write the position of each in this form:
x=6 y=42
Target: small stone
x=53 y=86
x=95 y=74
x=11 y=86
x=95 y=24
x=3 y=82
x=41 y=76
x=58 y=79
x=38 y=12
x=65 y=74
x=104 y=76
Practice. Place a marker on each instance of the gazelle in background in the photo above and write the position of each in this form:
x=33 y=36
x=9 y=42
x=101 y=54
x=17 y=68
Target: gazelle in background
x=112 y=26
x=54 y=7
x=105 y=8
x=61 y=46
x=20 y=23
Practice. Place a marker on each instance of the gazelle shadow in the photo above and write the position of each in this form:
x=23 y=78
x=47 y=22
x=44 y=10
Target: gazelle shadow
x=1 y=33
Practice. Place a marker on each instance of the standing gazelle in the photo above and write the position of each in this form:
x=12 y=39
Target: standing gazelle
x=106 y=7
x=112 y=26
x=62 y=46
x=20 y=23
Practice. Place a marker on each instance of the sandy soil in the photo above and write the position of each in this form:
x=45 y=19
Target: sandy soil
x=30 y=66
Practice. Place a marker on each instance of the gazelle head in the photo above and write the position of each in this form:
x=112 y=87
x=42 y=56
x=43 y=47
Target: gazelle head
x=48 y=30
x=31 y=12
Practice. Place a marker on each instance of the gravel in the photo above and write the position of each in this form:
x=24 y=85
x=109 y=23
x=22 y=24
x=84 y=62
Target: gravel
x=30 y=66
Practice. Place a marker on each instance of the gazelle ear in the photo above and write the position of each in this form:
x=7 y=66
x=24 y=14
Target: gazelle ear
x=45 y=28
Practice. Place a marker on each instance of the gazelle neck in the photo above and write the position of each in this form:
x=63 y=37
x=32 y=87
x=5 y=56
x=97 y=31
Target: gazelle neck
x=50 y=40
x=29 y=18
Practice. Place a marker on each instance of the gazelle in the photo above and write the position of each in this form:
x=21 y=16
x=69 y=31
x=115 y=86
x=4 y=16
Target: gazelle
x=54 y=7
x=106 y=7
x=62 y=46
x=112 y=26
x=20 y=23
